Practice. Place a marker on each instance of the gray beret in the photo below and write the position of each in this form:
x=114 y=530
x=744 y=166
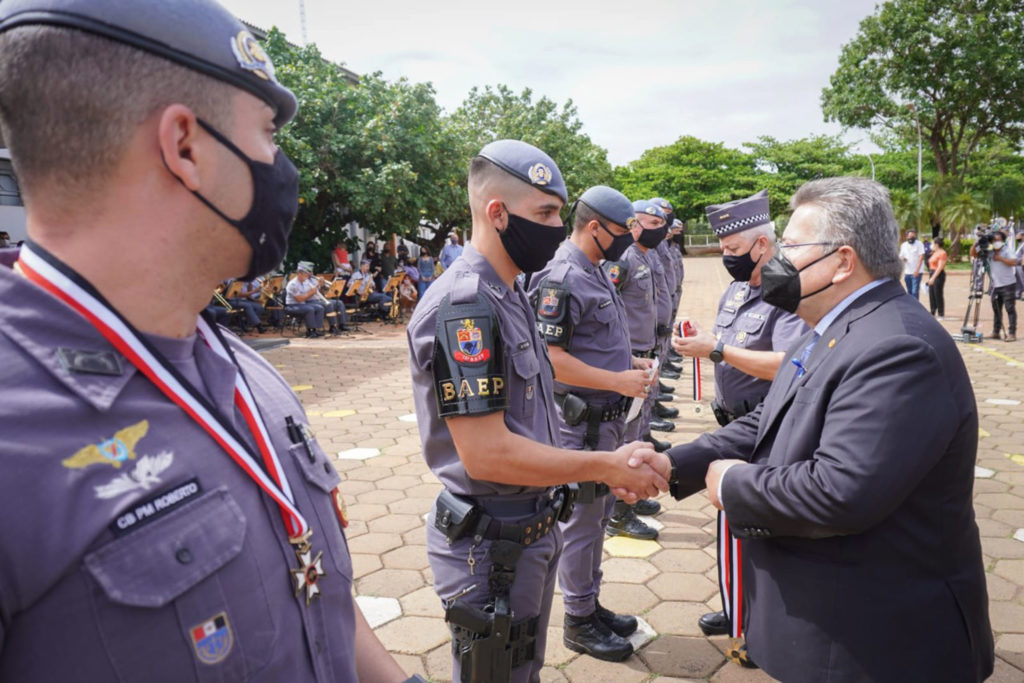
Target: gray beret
x=663 y=205
x=648 y=207
x=610 y=204
x=304 y=266
x=198 y=34
x=740 y=215
x=527 y=163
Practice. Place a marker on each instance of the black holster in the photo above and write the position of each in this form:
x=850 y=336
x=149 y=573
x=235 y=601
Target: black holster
x=485 y=641
x=575 y=410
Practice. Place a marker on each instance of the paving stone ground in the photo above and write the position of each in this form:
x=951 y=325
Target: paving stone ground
x=357 y=393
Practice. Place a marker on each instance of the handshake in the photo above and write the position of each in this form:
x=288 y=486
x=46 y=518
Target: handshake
x=636 y=471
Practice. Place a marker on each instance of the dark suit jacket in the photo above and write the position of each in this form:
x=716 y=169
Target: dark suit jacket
x=861 y=556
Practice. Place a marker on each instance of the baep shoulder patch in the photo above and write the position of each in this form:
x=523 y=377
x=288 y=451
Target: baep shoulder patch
x=469 y=364
x=551 y=308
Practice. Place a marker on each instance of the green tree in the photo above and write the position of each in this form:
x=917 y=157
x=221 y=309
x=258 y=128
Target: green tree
x=495 y=113
x=691 y=174
x=961 y=212
x=955 y=67
x=783 y=166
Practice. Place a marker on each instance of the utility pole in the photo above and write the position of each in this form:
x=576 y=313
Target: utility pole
x=302 y=22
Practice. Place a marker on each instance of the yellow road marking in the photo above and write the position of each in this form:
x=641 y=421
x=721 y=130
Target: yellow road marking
x=302 y=387
x=1019 y=459
x=620 y=546
x=339 y=413
x=1001 y=356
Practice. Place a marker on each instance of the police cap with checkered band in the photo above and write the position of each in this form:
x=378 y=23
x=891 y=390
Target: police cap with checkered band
x=739 y=215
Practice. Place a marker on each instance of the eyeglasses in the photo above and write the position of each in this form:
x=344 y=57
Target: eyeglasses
x=782 y=245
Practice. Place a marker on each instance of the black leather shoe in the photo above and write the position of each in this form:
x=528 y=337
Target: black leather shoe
x=665 y=412
x=666 y=388
x=714 y=624
x=659 y=425
x=647 y=507
x=626 y=523
x=591 y=636
x=622 y=625
x=665 y=398
x=667 y=373
x=660 y=446
x=674 y=367
x=673 y=356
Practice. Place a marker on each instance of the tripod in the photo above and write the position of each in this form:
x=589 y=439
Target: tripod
x=979 y=273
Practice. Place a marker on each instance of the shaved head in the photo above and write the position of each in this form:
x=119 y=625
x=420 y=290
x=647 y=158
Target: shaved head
x=488 y=181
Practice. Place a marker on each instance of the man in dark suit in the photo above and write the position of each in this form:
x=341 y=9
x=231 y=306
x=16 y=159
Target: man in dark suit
x=861 y=555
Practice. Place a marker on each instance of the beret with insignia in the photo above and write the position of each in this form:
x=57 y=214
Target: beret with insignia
x=197 y=34
x=527 y=163
x=739 y=215
x=610 y=204
x=648 y=207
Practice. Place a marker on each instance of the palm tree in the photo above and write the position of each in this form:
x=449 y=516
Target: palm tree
x=907 y=209
x=960 y=213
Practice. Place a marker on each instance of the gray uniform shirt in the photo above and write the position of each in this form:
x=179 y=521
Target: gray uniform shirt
x=744 y=320
x=635 y=281
x=663 y=297
x=515 y=357
x=578 y=310
x=133 y=548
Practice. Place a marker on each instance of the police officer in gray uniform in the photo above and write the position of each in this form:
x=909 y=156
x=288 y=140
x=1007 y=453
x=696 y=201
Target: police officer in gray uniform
x=750 y=336
x=485 y=405
x=167 y=516
x=634 y=277
x=583 y=321
x=673 y=279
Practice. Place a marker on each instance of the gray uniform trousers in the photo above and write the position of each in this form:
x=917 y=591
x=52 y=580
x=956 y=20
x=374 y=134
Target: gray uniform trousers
x=532 y=591
x=579 y=570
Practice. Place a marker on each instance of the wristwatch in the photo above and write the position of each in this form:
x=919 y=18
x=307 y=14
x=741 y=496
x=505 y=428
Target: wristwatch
x=716 y=354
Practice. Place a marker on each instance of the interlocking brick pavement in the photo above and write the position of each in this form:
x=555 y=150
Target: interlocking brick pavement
x=357 y=392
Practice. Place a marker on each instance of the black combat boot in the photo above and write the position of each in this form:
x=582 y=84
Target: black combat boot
x=591 y=636
x=622 y=625
x=624 y=522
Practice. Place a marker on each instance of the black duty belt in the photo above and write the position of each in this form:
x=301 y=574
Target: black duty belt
x=608 y=413
x=460 y=516
x=649 y=353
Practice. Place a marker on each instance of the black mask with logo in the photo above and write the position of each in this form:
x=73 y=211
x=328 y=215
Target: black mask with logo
x=741 y=267
x=275 y=201
x=530 y=245
x=780 y=282
x=650 y=239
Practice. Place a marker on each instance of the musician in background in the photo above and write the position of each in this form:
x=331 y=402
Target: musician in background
x=300 y=294
x=254 y=291
x=379 y=299
x=252 y=310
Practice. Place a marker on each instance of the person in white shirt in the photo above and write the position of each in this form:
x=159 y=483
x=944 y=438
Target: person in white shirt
x=299 y=295
x=912 y=255
x=1004 y=287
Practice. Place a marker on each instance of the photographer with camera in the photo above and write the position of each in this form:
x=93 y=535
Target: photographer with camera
x=1004 y=282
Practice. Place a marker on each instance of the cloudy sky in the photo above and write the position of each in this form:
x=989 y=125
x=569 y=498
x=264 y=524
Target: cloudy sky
x=641 y=72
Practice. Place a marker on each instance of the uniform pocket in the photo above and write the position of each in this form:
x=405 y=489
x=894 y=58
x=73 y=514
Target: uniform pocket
x=526 y=365
x=319 y=472
x=187 y=581
x=751 y=323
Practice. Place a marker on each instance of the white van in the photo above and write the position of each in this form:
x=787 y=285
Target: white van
x=12 y=212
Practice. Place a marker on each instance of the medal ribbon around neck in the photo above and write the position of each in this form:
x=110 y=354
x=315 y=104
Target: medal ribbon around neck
x=49 y=273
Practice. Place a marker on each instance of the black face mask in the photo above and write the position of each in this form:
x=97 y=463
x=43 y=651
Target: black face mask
x=530 y=245
x=780 y=282
x=652 y=238
x=275 y=201
x=618 y=246
x=741 y=267
x=911 y=239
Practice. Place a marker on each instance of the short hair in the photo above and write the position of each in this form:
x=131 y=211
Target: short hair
x=583 y=214
x=856 y=212
x=70 y=102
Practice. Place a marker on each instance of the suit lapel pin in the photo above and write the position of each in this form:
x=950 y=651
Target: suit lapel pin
x=831 y=343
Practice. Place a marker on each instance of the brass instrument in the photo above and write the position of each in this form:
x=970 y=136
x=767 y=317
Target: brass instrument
x=367 y=289
x=223 y=302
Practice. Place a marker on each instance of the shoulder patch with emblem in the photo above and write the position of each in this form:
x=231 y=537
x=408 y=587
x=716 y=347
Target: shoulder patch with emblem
x=468 y=363
x=552 y=307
